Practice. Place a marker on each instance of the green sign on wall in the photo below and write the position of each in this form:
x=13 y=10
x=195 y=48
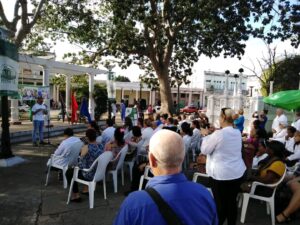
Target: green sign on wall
x=9 y=69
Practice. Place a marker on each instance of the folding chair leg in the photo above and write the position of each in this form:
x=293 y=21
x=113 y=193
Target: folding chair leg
x=48 y=174
x=115 y=181
x=272 y=208
x=122 y=174
x=268 y=208
x=65 y=178
x=244 y=207
x=104 y=188
x=141 y=182
x=91 y=194
x=130 y=170
x=70 y=191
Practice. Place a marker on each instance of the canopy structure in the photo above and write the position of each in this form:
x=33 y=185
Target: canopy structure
x=289 y=100
x=46 y=67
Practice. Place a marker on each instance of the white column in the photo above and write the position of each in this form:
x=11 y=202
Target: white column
x=57 y=93
x=190 y=98
x=226 y=84
x=46 y=76
x=137 y=95
x=54 y=92
x=14 y=108
x=150 y=97
x=271 y=87
x=68 y=93
x=240 y=91
x=122 y=94
x=91 y=98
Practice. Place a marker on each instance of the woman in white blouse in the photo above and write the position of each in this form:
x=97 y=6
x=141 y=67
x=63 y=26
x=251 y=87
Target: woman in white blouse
x=225 y=166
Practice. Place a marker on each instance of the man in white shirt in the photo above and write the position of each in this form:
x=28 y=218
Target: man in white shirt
x=146 y=135
x=280 y=117
x=63 y=150
x=113 y=110
x=296 y=124
x=38 y=112
x=108 y=133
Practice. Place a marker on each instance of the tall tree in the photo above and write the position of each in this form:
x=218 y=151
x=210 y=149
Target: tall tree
x=163 y=37
x=23 y=20
x=19 y=27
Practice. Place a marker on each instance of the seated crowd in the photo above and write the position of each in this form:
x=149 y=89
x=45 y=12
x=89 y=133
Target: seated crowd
x=254 y=156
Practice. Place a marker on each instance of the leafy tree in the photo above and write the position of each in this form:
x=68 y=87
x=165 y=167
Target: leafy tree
x=162 y=37
x=283 y=70
x=100 y=97
x=286 y=75
x=122 y=79
x=23 y=21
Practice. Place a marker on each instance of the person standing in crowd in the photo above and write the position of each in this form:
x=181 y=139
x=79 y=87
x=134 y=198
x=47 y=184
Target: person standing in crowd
x=38 y=112
x=239 y=122
x=280 y=118
x=190 y=202
x=225 y=166
x=113 y=111
x=263 y=119
x=123 y=110
x=296 y=124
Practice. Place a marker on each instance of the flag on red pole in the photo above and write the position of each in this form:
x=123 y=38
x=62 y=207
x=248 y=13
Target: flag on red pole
x=74 y=109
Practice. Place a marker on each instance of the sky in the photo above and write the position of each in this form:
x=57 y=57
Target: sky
x=255 y=49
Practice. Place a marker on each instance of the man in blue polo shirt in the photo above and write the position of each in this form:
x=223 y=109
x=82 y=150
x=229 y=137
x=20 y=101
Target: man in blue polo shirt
x=191 y=202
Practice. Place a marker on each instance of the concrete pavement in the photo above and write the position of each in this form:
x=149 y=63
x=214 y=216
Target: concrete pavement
x=25 y=200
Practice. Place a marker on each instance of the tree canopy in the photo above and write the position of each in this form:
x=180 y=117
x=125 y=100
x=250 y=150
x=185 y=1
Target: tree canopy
x=166 y=37
x=122 y=79
x=284 y=73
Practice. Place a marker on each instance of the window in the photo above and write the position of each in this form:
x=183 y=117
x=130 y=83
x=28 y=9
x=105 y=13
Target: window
x=182 y=95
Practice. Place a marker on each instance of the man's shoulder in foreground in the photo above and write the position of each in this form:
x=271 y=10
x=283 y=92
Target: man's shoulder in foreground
x=191 y=202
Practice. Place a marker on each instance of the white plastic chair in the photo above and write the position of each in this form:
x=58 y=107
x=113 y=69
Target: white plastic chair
x=268 y=200
x=72 y=154
x=101 y=162
x=120 y=157
x=195 y=178
x=130 y=163
x=144 y=177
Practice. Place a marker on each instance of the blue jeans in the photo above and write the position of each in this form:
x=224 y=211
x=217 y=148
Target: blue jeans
x=38 y=126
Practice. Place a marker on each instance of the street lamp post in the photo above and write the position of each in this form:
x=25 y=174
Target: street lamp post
x=110 y=89
x=235 y=84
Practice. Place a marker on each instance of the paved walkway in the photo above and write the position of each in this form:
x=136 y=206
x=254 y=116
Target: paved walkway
x=25 y=200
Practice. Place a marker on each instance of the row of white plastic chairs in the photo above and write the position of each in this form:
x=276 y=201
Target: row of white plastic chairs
x=101 y=163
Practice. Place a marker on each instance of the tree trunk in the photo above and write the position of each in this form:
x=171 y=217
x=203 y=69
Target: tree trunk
x=165 y=92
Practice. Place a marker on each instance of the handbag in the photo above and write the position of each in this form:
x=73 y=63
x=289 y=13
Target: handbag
x=166 y=211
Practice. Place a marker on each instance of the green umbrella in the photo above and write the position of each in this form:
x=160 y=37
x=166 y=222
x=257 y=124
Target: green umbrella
x=289 y=100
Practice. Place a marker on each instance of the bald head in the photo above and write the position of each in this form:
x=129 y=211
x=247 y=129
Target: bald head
x=168 y=148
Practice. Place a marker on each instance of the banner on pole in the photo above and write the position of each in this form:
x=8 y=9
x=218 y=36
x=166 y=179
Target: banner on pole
x=32 y=92
x=9 y=69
